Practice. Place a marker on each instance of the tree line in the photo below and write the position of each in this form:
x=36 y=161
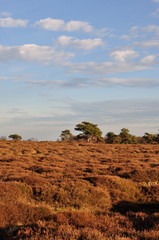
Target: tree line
x=90 y=132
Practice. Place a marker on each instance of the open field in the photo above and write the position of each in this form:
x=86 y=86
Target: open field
x=70 y=190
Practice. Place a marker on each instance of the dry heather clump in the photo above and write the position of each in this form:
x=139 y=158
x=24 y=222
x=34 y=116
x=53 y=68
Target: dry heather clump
x=81 y=195
x=119 y=188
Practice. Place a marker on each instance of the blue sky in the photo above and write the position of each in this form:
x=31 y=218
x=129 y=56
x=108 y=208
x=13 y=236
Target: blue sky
x=67 y=61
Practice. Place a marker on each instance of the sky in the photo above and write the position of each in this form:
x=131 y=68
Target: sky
x=67 y=61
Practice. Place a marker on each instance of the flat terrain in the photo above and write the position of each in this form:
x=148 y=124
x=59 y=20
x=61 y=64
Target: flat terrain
x=60 y=190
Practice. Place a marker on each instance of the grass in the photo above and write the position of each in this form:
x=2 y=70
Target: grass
x=63 y=190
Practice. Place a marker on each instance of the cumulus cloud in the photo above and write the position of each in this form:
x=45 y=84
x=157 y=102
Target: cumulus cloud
x=85 y=44
x=50 y=56
x=33 y=52
x=9 y=22
x=122 y=56
x=78 y=25
x=59 y=25
x=51 y=24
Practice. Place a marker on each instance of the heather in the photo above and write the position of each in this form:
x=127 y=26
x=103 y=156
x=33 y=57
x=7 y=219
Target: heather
x=78 y=190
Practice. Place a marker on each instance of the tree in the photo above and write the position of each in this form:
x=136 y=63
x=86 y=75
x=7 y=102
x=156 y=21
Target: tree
x=66 y=135
x=15 y=137
x=150 y=138
x=90 y=132
x=112 y=138
x=126 y=137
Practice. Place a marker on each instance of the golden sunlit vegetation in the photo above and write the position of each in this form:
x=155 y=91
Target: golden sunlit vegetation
x=76 y=190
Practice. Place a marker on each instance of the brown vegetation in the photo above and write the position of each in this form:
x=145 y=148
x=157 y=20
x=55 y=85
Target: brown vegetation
x=71 y=190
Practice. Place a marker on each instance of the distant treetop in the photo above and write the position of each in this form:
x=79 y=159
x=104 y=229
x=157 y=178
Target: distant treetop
x=15 y=137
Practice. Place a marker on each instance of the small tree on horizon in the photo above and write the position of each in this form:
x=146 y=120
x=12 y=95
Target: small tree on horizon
x=66 y=135
x=15 y=137
x=90 y=132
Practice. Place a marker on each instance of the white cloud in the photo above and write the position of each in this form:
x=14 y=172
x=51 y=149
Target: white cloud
x=60 y=25
x=134 y=30
x=32 y=52
x=85 y=44
x=51 y=24
x=2 y=78
x=122 y=56
x=5 y=14
x=78 y=25
x=64 y=41
x=130 y=82
x=151 y=28
x=106 y=67
x=96 y=82
x=147 y=44
x=9 y=22
x=157 y=1
x=148 y=59
x=125 y=37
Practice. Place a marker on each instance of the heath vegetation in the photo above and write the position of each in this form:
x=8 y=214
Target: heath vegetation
x=78 y=190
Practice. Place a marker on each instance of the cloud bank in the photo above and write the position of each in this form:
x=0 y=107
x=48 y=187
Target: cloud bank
x=96 y=82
